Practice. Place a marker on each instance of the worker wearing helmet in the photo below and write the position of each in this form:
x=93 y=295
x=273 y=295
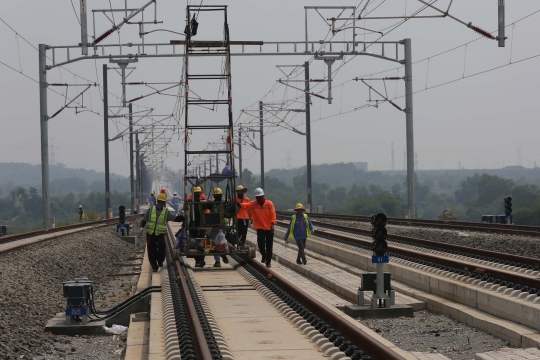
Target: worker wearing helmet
x=226 y=211
x=176 y=202
x=300 y=228
x=244 y=215
x=196 y=218
x=263 y=213
x=155 y=220
x=197 y=194
x=152 y=199
x=81 y=214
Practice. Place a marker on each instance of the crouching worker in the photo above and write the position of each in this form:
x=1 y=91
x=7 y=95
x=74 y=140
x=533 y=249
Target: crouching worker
x=300 y=228
x=155 y=220
x=193 y=243
x=225 y=212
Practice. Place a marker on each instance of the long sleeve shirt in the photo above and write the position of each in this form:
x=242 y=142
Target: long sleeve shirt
x=243 y=214
x=176 y=200
x=263 y=216
x=300 y=228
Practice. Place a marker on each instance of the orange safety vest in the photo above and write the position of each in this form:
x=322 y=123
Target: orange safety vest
x=263 y=216
x=243 y=213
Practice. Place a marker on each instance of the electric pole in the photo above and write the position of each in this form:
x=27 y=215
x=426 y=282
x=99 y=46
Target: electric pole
x=106 y=138
x=131 y=178
x=393 y=168
x=137 y=168
x=409 y=128
x=262 y=142
x=44 y=125
x=308 y=136
x=240 y=152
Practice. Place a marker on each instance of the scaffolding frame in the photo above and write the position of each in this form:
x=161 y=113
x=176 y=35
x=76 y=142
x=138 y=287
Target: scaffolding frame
x=199 y=222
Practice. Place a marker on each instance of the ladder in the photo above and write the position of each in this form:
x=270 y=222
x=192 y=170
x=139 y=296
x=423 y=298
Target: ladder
x=197 y=124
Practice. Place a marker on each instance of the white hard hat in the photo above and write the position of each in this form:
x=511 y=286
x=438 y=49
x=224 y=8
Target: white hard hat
x=258 y=192
x=175 y=194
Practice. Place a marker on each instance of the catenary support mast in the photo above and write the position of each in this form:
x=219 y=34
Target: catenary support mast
x=44 y=124
x=262 y=142
x=106 y=138
x=409 y=129
x=308 y=137
x=131 y=177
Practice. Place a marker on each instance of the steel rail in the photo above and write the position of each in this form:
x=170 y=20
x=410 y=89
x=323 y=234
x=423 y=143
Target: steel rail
x=524 y=230
x=461 y=265
x=202 y=351
x=18 y=247
x=444 y=246
x=355 y=335
x=10 y=238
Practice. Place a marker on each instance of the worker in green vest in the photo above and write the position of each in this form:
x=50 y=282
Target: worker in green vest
x=300 y=229
x=155 y=220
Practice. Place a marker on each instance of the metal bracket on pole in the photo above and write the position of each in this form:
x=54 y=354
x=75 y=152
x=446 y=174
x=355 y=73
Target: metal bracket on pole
x=123 y=63
x=329 y=60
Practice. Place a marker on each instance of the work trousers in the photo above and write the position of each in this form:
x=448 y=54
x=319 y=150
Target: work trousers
x=175 y=207
x=301 y=243
x=242 y=230
x=156 y=249
x=265 y=241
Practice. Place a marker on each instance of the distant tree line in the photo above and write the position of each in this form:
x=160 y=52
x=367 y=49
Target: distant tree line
x=21 y=209
x=476 y=195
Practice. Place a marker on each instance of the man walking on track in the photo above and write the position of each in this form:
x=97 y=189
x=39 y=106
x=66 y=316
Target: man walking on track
x=243 y=215
x=156 y=219
x=264 y=218
x=176 y=203
x=81 y=214
x=300 y=229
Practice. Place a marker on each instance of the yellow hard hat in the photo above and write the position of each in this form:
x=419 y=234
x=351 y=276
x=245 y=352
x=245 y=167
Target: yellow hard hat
x=80 y=206
x=153 y=193
x=197 y=189
x=299 y=207
x=217 y=191
x=162 y=196
x=241 y=188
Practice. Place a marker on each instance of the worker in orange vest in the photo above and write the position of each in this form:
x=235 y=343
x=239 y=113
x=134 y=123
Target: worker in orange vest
x=263 y=214
x=244 y=215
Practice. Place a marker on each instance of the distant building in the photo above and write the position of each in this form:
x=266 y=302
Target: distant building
x=361 y=165
x=515 y=167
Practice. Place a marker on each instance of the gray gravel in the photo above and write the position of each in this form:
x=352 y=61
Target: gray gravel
x=510 y=244
x=429 y=332
x=31 y=293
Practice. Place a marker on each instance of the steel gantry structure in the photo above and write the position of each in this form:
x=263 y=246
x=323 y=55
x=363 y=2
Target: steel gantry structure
x=130 y=52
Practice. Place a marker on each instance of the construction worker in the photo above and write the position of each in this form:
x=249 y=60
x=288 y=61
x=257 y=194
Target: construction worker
x=195 y=216
x=152 y=199
x=244 y=215
x=156 y=219
x=300 y=229
x=264 y=219
x=219 y=208
x=197 y=193
x=81 y=214
x=176 y=203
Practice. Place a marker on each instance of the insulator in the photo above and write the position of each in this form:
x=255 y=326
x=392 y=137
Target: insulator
x=483 y=32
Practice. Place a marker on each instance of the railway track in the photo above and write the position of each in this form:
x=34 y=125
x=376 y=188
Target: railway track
x=469 y=265
x=331 y=333
x=52 y=233
x=449 y=225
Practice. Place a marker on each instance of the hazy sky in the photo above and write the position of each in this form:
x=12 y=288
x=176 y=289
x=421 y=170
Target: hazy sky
x=484 y=121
